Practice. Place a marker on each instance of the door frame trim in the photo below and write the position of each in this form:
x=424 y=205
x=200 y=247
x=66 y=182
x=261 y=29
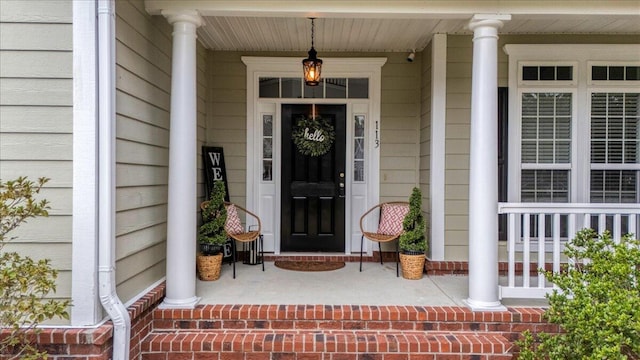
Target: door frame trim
x=257 y=67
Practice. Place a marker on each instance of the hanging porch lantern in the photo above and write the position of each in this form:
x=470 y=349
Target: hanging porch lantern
x=312 y=66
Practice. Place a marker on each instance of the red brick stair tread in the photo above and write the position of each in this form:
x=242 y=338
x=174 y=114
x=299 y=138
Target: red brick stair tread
x=331 y=332
x=348 y=312
x=327 y=342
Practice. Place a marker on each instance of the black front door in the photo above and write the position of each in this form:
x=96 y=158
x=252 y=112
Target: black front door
x=313 y=187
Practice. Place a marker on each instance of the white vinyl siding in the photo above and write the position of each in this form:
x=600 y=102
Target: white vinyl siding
x=457 y=137
x=399 y=131
x=400 y=127
x=426 y=134
x=143 y=97
x=226 y=118
x=143 y=84
x=36 y=122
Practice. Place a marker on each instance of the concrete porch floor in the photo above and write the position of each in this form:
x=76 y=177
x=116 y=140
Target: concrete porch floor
x=375 y=285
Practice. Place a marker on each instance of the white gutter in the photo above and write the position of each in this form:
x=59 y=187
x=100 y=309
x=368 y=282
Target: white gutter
x=106 y=181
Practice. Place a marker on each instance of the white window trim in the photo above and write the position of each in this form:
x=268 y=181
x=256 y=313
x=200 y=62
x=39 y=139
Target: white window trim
x=612 y=83
x=547 y=83
x=582 y=56
x=611 y=86
x=612 y=89
x=86 y=309
x=515 y=147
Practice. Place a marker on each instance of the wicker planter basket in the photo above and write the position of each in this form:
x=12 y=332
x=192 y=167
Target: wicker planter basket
x=209 y=266
x=412 y=266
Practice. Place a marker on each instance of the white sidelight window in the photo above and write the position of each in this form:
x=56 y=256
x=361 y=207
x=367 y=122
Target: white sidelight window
x=267 y=147
x=359 y=138
x=574 y=126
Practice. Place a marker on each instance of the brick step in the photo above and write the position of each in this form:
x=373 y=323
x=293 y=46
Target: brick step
x=351 y=317
x=321 y=345
x=337 y=332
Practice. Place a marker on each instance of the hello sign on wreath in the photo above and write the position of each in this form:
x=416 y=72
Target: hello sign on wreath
x=313 y=137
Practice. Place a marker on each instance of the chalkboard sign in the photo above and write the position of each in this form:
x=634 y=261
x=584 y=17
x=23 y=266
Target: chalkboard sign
x=215 y=170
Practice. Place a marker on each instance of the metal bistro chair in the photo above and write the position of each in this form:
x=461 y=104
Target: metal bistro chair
x=389 y=227
x=237 y=232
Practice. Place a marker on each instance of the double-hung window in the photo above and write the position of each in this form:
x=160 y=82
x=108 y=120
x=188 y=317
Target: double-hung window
x=574 y=125
x=615 y=145
x=546 y=145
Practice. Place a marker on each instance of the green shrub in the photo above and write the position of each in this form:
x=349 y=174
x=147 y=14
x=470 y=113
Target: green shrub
x=413 y=239
x=214 y=216
x=24 y=282
x=597 y=303
x=18 y=203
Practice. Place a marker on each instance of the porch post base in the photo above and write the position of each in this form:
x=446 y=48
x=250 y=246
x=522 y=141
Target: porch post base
x=179 y=303
x=476 y=305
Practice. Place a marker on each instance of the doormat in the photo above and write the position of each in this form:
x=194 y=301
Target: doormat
x=309 y=265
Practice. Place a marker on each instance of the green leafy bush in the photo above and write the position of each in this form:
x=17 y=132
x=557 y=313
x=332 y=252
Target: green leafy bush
x=24 y=282
x=413 y=239
x=18 y=203
x=597 y=303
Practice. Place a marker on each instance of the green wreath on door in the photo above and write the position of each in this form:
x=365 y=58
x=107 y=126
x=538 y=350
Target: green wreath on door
x=313 y=137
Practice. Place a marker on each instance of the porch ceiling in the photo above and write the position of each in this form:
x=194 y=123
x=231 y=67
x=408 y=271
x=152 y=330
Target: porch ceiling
x=388 y=26
x=382 y=35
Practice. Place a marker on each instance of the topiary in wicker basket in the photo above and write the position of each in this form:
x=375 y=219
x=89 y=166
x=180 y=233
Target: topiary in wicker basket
x=413 y=243
x=212 y=235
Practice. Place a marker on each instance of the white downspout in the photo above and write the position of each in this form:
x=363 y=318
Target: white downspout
x=106 y=181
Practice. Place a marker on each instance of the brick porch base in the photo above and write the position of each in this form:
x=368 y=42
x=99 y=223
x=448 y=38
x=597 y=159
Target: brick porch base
x=253 y=332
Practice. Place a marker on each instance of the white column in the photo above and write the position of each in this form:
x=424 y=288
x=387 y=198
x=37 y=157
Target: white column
x=483 y=170
x=181 y=216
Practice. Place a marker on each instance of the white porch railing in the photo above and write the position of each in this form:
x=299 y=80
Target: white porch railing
x=554 y=223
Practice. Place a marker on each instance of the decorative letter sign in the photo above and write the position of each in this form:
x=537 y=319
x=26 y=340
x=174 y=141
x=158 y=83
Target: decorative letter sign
x=214 y=169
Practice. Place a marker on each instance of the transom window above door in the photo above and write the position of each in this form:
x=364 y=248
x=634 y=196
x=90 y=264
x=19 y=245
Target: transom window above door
x=329 y=88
